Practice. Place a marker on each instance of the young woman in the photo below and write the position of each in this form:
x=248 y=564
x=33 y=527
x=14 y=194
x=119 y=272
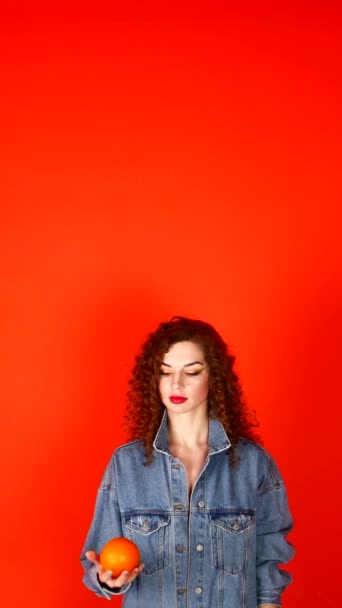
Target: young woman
x=203 y=501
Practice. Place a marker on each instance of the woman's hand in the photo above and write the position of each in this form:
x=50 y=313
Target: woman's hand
x=106 y=576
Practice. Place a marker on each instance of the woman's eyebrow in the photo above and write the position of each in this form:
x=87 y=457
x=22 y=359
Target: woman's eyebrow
x=186 y=365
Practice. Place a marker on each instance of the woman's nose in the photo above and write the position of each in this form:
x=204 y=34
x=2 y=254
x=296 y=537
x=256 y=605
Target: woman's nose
x=177 y=380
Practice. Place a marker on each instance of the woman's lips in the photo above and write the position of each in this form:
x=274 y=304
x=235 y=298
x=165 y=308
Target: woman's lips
x=175 y=399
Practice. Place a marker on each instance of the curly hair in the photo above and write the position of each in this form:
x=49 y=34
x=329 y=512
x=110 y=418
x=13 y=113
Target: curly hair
x=226 y=402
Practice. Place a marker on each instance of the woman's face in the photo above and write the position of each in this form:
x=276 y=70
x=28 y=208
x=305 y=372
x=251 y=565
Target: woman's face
x=184 y=378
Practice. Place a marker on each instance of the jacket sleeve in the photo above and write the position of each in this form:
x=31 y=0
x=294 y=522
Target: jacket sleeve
x=274 y=522
x=106 y=524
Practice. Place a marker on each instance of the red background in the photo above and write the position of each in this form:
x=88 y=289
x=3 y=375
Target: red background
x=165 y=158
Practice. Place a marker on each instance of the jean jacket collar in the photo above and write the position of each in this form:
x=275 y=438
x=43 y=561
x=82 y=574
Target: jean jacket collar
x=218 y=439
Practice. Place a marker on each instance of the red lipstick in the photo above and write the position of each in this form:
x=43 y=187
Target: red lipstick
x=177 y=399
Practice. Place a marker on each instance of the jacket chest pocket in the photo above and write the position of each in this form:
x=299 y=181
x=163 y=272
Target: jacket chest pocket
x=231 y=533
x=150 y=532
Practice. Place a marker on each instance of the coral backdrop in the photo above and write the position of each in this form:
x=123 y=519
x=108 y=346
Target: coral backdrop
x=165 y=158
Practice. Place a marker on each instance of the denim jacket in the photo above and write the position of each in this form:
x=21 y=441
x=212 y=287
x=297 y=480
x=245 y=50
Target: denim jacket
x=221 y=549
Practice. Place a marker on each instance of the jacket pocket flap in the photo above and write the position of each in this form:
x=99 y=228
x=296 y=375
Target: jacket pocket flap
x=146 y=523
x=233 y=521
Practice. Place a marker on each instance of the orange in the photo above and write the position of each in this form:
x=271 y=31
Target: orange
x=119 y=554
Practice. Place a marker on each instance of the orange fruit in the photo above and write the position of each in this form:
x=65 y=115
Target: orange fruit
x=120 y=554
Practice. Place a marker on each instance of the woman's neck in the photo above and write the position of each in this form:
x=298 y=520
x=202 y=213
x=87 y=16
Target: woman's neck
x=189 y=430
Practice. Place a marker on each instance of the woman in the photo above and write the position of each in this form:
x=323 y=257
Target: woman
x=203 y=501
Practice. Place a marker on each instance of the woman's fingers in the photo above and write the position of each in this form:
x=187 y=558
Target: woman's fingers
x=92 y=557
x=125 y=577
x=106 y=577
x=135 y=573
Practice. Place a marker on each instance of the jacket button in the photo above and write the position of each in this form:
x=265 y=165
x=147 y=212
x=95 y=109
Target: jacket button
x=198 y=590
x=201 y=503
x=199 y=547
x=146 y=526
x=236 y=526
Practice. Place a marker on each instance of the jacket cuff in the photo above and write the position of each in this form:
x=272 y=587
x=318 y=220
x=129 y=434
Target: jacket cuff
x=112 y=591
x=268 y=597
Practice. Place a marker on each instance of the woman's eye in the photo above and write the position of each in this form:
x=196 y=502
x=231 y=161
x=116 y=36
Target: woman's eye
x=162 y=373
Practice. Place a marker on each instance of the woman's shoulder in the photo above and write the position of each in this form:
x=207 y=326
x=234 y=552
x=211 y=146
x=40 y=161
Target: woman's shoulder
x=129 y=454
x=251 y=451
x=129 y=444
x=136 y=446
x=248 y=449
x=124 y=458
